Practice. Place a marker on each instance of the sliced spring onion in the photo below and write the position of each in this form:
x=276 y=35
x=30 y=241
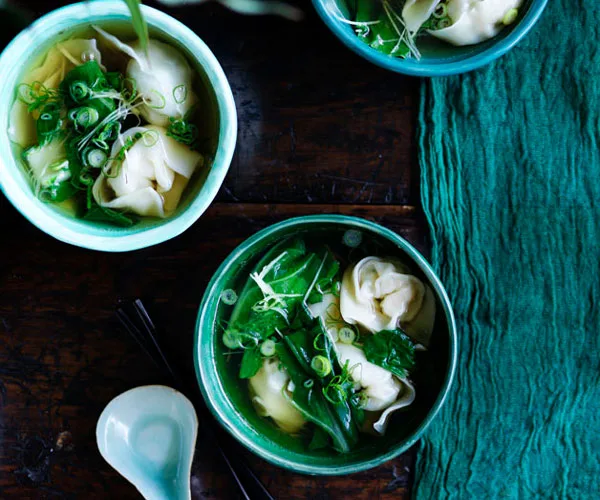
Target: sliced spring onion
x=321 y=365
x=25 y=94
x=444 y=23
x=85 y=116
x=267 y=348
x=155 y=100
x=180 y=94
x=346 y=335
x=229 y=297
x=440 y=11
x=150 y=138
x=95 y=158
x=231 y=340
x=352 y=238
x=510 y=17
x=334 y=393
x=86 y=179
x=359 y=400
x=308 y=383
x=79 y=91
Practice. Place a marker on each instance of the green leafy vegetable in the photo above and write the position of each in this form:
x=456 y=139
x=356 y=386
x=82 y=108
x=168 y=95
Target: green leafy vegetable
x=251 y=362
x=100 y=214
x=392 y=350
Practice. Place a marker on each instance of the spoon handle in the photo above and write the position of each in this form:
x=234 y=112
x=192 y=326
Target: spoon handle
x=141 y=327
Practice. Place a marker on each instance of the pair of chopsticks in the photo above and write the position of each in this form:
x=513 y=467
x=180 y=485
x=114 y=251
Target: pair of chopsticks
x=135 y=319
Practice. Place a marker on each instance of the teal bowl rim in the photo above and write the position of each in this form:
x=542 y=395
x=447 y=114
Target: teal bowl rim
x=420 y=68
x=204 y=320
x=97 y=238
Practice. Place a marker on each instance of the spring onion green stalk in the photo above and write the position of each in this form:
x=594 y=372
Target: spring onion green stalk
x=321 y=365
x=346 y=335
x=229 y=297
x=267 y=348
x=352 y=238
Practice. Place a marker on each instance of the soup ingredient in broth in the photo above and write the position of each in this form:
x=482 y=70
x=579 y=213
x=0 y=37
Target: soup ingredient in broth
x=163 y=79
x=270 y=396
x=395 y=27
x=311 y=371
x=114 y=143
x=379 y=294
x=476 y=21
x=152 y=176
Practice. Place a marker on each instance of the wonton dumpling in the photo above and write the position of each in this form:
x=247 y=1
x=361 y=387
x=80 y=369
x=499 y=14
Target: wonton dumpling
x=59 y=60
x=267 y=388
x=163 y=78
x=407 y=396
x=378 y=295
x=416 y=12
x=152 y=177
x=380 y=385
x=474 y=21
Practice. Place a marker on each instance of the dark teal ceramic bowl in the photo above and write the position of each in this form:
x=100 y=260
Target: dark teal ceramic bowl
x=227 y=396
x=438 y=58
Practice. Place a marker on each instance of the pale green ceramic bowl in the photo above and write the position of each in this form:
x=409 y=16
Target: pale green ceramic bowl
x=32 y=43
x=227 y=397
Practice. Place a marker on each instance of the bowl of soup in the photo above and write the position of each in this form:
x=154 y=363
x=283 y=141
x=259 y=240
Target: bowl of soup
x=325 y=344
x=107 y=142
x=430 y=37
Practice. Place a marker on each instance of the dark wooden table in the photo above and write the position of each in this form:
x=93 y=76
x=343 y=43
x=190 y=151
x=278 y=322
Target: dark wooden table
x=320 y=130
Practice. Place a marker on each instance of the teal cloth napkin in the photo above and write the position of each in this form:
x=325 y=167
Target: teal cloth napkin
x=510 y=165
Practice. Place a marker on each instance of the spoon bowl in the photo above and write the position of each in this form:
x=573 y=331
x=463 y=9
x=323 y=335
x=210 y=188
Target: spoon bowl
x=148 y=435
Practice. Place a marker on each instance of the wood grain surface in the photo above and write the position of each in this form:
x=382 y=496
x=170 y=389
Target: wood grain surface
x=321 y=131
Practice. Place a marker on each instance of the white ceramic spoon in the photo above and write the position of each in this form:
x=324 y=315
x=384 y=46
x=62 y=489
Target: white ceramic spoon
x=148 y=435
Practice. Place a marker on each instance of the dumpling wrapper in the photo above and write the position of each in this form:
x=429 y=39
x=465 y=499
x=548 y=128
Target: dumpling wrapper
x=59 y=60
x=163 y=78
x=474 y=21
x=407 y=397
x=152 y=177
x=416 y=12
x=378 y=295
x=266 y=388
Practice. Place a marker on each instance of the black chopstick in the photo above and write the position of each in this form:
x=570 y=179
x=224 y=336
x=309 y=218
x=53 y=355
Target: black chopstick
x=141 y=327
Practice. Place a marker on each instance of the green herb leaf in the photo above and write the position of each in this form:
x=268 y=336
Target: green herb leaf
x=251 y=362
x=139 y=23
x=392 y=350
